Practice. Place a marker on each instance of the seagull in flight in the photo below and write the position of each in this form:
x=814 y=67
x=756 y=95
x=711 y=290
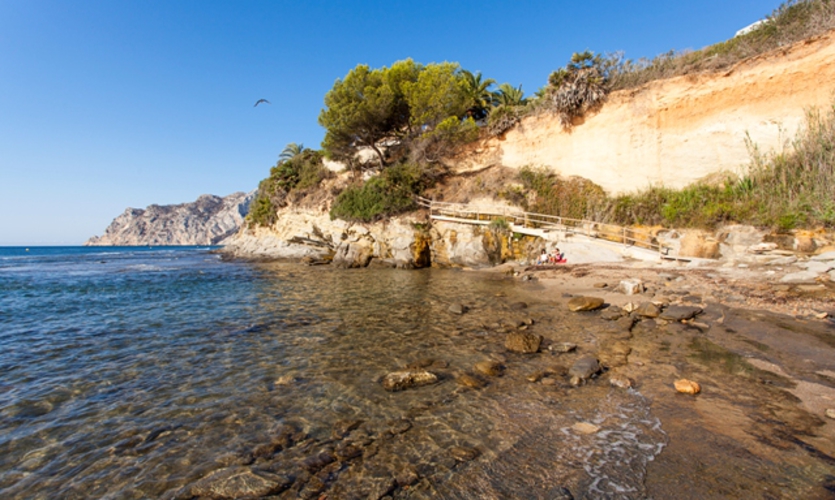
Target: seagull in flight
x=259 y=101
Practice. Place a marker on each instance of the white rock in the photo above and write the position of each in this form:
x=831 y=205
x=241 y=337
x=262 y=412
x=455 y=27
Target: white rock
x=825 y=256
x=799 y=277
x=783 y=261
x=818 y=266
x=631 y=286
x=762 y=247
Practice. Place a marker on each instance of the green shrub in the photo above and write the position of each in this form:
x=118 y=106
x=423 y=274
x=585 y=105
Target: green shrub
x=390 y=193
x=298 y=174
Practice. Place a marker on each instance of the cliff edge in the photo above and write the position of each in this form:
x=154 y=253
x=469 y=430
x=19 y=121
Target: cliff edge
x=676 y=131
x=207 y=221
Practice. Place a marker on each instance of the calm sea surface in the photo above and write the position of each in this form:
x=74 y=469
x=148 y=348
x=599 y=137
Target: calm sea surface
x=163 y=372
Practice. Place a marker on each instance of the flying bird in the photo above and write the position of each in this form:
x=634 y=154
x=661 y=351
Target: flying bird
x=259 y=101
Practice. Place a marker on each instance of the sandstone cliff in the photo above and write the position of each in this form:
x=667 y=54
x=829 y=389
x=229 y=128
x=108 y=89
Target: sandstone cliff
x=207 y=221
x=673 y=132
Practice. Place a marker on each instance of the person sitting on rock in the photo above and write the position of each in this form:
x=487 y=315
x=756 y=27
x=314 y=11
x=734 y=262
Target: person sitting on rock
x=543 y=258
x=557 y=257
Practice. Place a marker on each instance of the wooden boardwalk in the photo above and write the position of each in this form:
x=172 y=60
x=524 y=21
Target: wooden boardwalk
x=543 y=225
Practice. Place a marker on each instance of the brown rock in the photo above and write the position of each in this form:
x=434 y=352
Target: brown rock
x=699 y=244
x=648 y=310
x=585 y=304
x=398 y=381
x=469 y=381
x=687 y=386
x=620 y=381
x=463 y=454
x=490 y=368
x=523 y=342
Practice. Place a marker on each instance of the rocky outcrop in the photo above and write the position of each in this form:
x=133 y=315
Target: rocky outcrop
x=404 y=242
x=207 y=221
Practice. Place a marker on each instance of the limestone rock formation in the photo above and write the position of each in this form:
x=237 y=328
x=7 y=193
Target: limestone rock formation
x=207 y=221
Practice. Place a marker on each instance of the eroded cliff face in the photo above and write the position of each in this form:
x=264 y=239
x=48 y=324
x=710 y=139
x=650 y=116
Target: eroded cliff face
x=676 y=131
x=207 y=221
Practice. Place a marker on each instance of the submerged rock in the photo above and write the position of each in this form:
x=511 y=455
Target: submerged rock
x=523 y=342
x=470 y=381
x=398 y=381
x=239 y=482
x=585 y=428
x=490 y=368
x=685 y=386
x=578 y=304
x=583 y=369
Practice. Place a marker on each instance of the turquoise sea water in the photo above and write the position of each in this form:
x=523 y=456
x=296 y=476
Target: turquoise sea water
x=135 y=372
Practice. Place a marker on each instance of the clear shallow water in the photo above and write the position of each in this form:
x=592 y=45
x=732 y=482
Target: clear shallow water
x=134 y=373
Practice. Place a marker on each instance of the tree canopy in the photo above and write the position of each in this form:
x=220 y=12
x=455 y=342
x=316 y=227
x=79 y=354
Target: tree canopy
x=401 y=104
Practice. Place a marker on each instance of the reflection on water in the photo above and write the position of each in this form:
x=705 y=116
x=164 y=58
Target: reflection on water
x=154 y=382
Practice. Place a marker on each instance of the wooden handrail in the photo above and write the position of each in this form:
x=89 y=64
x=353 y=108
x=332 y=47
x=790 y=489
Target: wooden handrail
x=590 y=228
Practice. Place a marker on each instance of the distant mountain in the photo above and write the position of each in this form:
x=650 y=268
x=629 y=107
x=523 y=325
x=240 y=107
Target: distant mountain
x=207 y=221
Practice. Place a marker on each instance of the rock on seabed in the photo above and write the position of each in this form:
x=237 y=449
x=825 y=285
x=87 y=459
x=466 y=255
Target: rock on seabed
x=578 y=304
x=398 y=381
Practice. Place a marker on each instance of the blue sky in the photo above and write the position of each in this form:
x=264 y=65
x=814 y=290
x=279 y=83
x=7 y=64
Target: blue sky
x=109 y=104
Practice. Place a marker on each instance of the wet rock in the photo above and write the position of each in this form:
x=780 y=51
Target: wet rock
x=630 y=286
x=399 y=426
x=687 y=386
x=420 y=363
x=407 y=477
x=535 y=376
x=548 y=381
x=679 y=313
x=560 y=493
x=600 y=285
x=347 y=451
x=583 y=369
x=614 y=354
x=458 y=308
x=620 y=381
x=585 y=428
x=523 y=342
x=239 y=482
x=612 y=313
x=467 y=380
x=585 y=304
x=398 y=381
x=562 y=347
x=342 y=428
x=463 y=454
x=317 y=461
x=490 y=368
x=518 y=306
x=648 y=310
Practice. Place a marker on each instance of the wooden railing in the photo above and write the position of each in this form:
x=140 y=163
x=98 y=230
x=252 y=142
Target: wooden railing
x=592 y=229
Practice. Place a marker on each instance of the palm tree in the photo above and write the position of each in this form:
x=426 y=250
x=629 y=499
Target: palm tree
x=291 y=151
x=478 y=96
x=509 y=96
